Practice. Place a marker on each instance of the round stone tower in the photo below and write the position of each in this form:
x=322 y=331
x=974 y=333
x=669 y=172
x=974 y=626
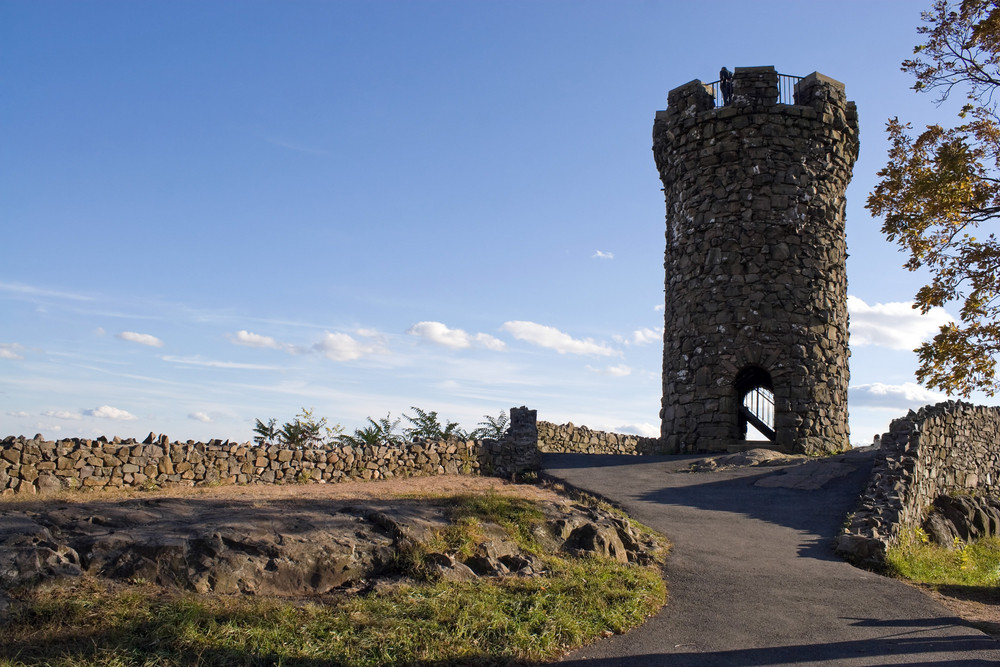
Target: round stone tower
x=756 y=278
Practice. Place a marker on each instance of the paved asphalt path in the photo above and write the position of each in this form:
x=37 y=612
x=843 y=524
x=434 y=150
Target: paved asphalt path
x=752 y=577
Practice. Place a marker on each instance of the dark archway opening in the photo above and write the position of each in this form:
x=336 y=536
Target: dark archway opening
x=756 y=402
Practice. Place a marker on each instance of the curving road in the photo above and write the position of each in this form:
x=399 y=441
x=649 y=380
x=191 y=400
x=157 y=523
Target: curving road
x=752 y=576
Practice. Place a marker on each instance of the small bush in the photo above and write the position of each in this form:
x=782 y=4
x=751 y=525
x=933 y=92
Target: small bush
x=973 y=564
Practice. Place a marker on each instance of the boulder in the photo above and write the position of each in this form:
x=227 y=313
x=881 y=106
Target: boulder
x=598 y=539
x=965 y=517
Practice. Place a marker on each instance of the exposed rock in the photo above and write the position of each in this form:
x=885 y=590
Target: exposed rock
x=748 y=458
x=939 y=529
x=965 y=517
x=599 y=539
x=285 y=547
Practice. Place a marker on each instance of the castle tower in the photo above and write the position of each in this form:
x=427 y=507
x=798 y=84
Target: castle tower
x=756 y=276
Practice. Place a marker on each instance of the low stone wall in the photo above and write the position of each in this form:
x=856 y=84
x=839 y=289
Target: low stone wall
x=946 y=448
x=567 y=438
x=31 y=465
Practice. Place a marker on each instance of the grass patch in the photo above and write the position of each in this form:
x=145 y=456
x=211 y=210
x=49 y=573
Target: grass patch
x=973 y=564
x=488 y=621
x=518 y=517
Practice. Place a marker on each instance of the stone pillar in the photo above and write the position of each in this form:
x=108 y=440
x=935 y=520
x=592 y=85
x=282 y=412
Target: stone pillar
x=755 y=260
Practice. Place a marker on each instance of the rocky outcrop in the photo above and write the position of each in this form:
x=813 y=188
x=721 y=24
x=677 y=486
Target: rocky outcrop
x=286 y=547
x=963 y=517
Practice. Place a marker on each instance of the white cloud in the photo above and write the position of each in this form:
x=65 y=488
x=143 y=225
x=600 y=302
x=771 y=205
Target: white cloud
x=552 y=338
x=642 y=336
x=600 y=254
x=457 y=339
x=108 y=412
x=200 y=417
x=896 y=325
x=18 y=413
x=141 y=338
x=10 y=351
x=621 y=370
x=659 y=307
x=244 y=337
x=62 y=414
x=643 y=429
x=908 y=395
x=341 y=347
x=250 y=339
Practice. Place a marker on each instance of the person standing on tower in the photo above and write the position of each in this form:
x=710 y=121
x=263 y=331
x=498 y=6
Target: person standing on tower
x=726 y=84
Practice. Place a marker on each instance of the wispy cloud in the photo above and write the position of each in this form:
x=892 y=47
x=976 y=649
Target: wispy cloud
x=202 y=417
x=905 y=396
x=63 y=414
x=896 y=325
x=10 y=351
x=600 y=254
x=553 y=339
x=292 y=146
x=29 y=290
x=439 y=333
x=141 y=338
x=18 y=413
x=108 y=412
x=211 y=363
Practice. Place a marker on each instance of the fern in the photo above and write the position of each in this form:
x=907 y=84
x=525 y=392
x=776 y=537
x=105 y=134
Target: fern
x=427 y=426
x=492 y=428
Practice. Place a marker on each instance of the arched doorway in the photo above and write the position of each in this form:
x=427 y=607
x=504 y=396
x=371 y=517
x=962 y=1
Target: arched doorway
x=755 y=392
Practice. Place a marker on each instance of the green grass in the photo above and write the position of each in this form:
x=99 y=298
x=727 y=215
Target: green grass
x=488 y=621
x=975 y=564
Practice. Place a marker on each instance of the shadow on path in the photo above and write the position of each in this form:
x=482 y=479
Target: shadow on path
x=889 y=650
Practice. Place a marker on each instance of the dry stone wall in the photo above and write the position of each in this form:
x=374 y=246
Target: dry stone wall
x=29 y=465
x=948 y=448
x=567 y=438
x=755 y=260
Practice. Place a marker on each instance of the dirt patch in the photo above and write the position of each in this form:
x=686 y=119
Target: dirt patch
x=413 y=487
x=976 y=605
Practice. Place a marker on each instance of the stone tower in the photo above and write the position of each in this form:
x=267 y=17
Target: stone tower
x=756 y=275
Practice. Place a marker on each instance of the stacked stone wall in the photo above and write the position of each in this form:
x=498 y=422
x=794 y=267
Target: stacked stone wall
x=947 y=448
x=567 y=438
x=29 y=465
x=755 y=259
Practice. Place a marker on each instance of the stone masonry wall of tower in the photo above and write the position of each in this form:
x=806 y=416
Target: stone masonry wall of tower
x=755 y=261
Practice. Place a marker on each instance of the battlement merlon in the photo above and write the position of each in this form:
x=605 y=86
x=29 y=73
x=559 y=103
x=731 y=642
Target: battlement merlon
x=757 y=87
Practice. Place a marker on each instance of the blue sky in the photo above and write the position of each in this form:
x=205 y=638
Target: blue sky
x=219 y=211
